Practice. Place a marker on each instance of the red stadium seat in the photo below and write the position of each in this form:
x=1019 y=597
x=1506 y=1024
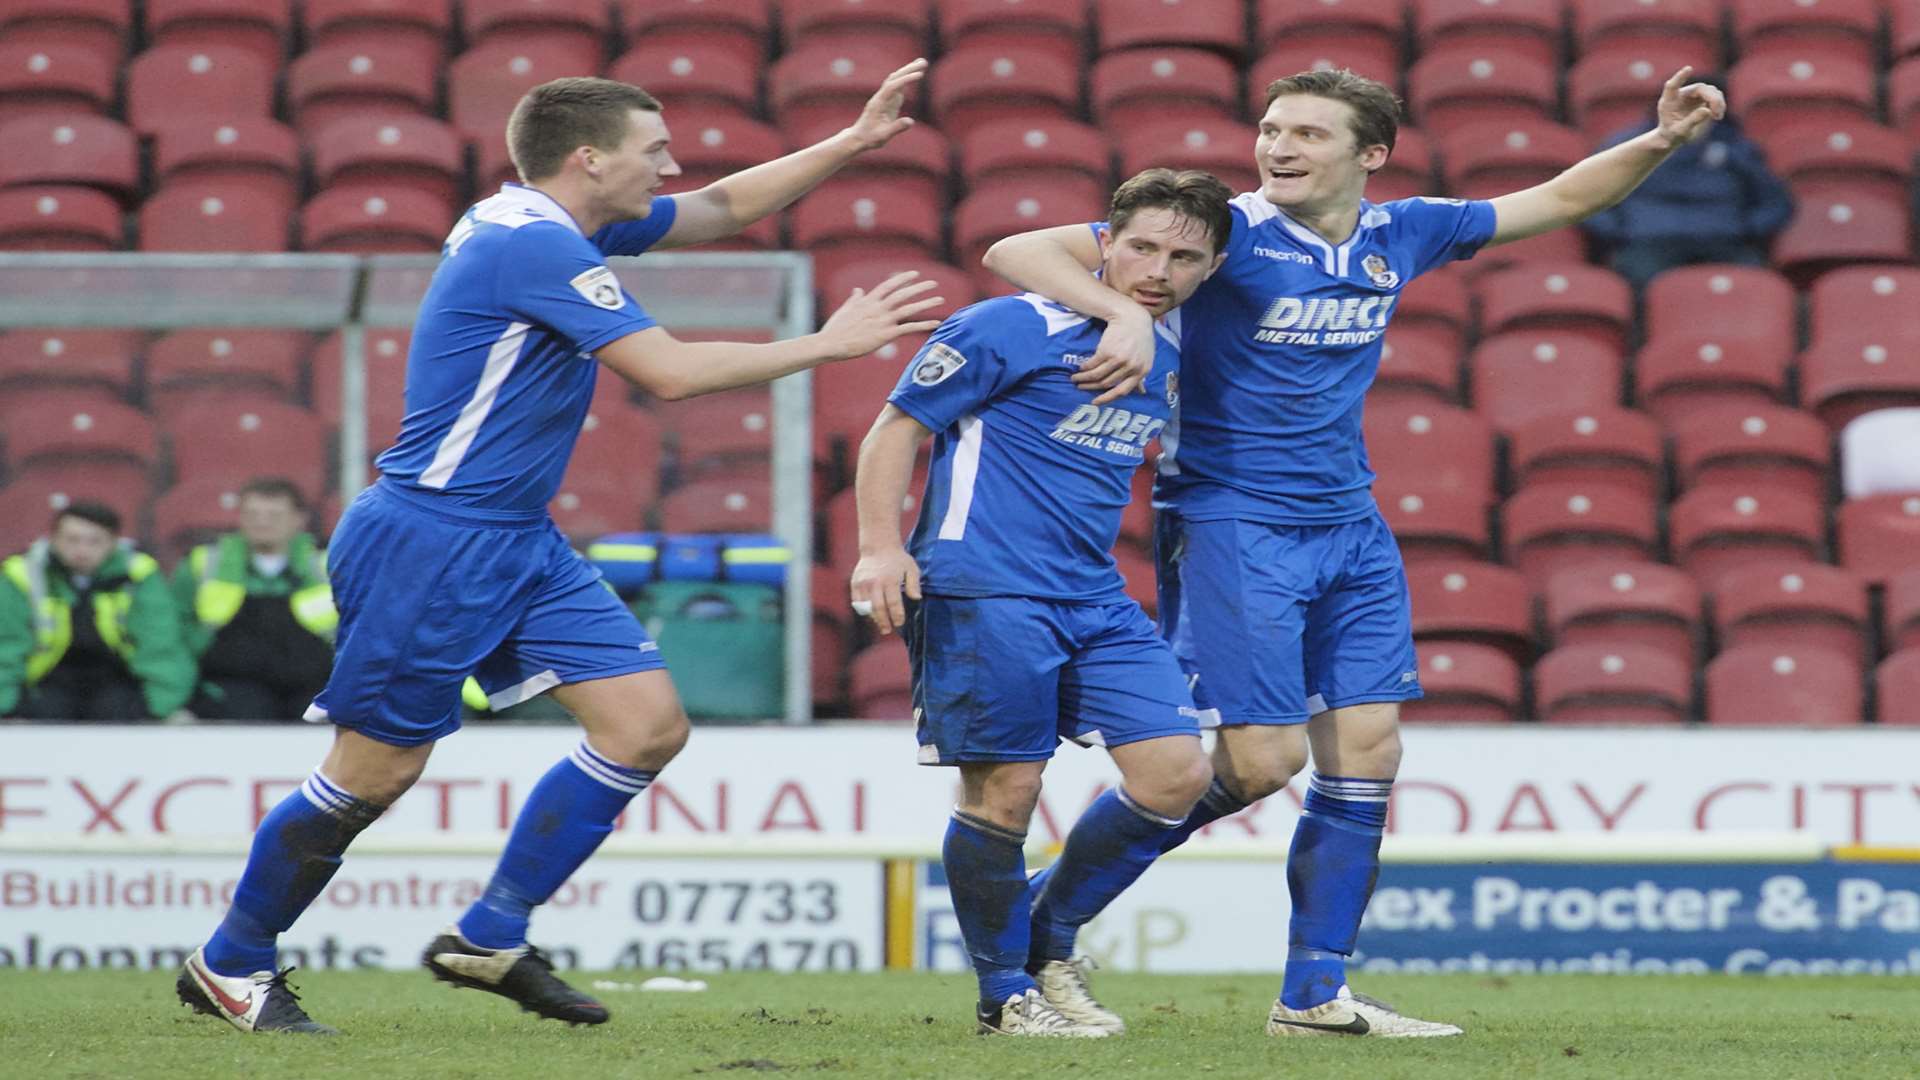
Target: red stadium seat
x=349 y=81
x=745 y=26
x=98 y=360
x=1896 y=688
x=1791 y=606
x=1136 y=521
x=1550 y=527
x=426 y=24
x=1845 y=377
x=998 y=210
x=829 y=83
x=1622 y=26
x=1903 y=96
x=1723 y=528
x=847 y=397
x=1756 y=685
x=978 y=86
x=1437 y=446
x=1058 y=26
x=28 y=503
x=728 y=425
x=183 y=364
x=254 y=152
x=1615 y=87
x=1612 y=684
x=1735 y=301
x=201 y=82
x=487 y=81
x=1903 y=610
x=919 y=159
x=1219 y=146
x=690 y=75
x=59 y=218
x=832 y=642
x=1435 y=525
x=91 y=151
x=843 y=527
x=880 y=682
x=1440 y=301
x=193 y=215
x=952 y=283
x=1137 y=571
x=101 y=26
x=585 y=25
x=1600 y=446
x=1762 y=448
x=589 y=506
x=900 y=25
x=259 y=26
x=232 y=441
x=1484 y=160
x=1862 y=299
x=1363 y=55
x=1855 y=152
x=1526 y=28
x=1037 y=151
x=1473 y=602
x=1836 y=27
x=386 y=368
x=1452 y=88
x=1206 y=24
x=1408 y=172
x=621 y=443
x=861 y=214
x=195 y=511
x=1676 y=377
x=1465 y=684
x=1614 y=604
x=1369 y=24
x=1878 y=535
x=1524 y=376
x=39 y=78
x=1142 y=87
x=707 y=145
x=1833 y=226
x=1785 y=87
x=380 y=155
x=70 y=424
x=1418 y=364
x=352 y=219
x=1570 y=299
x=719 y=505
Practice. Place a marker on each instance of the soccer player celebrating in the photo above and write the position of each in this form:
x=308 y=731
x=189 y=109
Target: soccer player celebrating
x=1020 y=629
x=1281 y=589
x=449 y=565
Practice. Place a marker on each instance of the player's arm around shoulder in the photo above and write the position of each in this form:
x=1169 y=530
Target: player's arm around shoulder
x=1058 y=263
x=1686 y=111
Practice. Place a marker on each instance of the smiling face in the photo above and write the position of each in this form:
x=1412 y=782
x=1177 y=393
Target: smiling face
x=1309 y=159
x=626 y=177
x=1158 y=258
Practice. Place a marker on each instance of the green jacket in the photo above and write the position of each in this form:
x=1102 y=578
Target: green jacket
x=132 y=609
x=214 y=579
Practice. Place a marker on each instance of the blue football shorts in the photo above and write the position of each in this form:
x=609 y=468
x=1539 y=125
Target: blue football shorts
x=1276 y=623
x=1005 y=678
x=429 y=596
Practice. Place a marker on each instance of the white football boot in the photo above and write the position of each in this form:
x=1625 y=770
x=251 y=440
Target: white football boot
x=1353 y=1014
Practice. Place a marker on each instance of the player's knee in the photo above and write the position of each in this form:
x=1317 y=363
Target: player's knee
x=645 y=741
x=1253 y=774
x=1186 y=781
x=1007 y=795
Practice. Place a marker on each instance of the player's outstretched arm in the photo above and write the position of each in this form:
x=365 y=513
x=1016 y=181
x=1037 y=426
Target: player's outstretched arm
x=1590 y=186
x=669 y=368
x=1057 y=263
x=730 y=204
x=885 y=572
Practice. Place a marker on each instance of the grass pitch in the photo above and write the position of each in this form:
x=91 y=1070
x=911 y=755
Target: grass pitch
x=128 y=1024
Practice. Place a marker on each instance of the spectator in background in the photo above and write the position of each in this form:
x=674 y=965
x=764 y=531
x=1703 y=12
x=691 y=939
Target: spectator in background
x=1714 y=201
x=88 y=630
x=257 y=610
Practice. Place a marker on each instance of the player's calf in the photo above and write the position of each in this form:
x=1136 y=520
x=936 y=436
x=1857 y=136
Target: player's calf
x=522 y=975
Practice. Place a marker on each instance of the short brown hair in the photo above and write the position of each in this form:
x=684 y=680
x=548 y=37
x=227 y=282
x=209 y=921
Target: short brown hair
x=93 y=513
x=556 y=118
x=1376 y=112
x=1193 y=194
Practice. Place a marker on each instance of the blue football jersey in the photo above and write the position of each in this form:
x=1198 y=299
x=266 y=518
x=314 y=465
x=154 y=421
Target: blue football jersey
x=500 y=371
x=1281 y=345
x=1029 y=478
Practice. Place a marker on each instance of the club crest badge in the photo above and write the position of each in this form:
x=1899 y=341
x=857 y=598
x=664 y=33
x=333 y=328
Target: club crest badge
x=1173 y=389
x=1379 y=272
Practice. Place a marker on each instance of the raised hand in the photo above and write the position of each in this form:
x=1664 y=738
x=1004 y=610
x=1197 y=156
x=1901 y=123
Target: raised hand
x=1123 y=360
x=1687 y=111
x=880 y=121
x=871 y=318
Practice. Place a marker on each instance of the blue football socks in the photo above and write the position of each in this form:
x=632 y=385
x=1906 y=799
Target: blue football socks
x=1331 y=871
x=570 y=811
x=295 y=853
x=1112 y=844
x=986 y=868
x=1217 y=803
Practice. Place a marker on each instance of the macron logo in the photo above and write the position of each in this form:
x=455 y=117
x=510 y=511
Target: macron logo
x=1283 y=256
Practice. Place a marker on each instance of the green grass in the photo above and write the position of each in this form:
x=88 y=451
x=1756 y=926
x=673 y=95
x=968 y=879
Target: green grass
x=121 y=1024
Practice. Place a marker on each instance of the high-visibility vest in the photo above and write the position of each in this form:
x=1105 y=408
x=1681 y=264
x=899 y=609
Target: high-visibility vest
x=53 y=617
x=221 y=593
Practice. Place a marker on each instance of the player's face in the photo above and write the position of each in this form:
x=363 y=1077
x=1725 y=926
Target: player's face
x=633 y=173
x=1158 y=258
x=270 y=522
x=80 y=545
x=1308 y=158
